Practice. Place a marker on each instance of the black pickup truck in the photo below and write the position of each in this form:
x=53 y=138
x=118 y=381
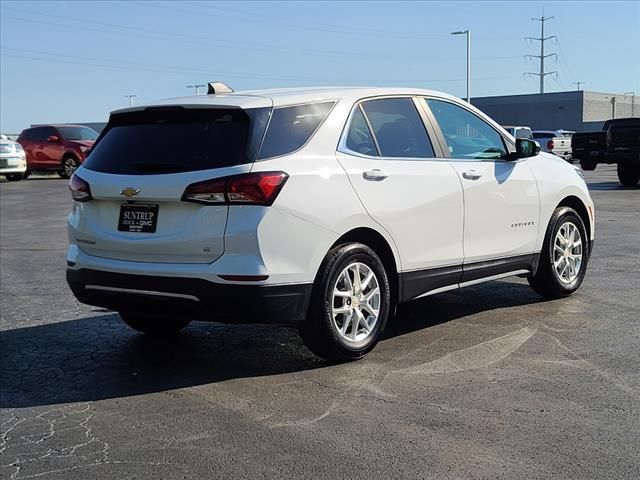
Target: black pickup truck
x=618 y=142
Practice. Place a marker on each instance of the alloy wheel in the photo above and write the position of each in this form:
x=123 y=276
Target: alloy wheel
x=355 y=305
x=567 y=252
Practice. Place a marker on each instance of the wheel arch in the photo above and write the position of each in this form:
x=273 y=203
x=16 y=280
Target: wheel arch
x=578 y=205
x=376 y=241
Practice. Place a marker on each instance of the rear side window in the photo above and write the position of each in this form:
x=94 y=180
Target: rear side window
x=173 y=139
x=359 y=138
x=291 y=127
x=398 y=128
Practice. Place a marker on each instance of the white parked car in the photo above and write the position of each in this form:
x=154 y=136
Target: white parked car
x=519 y=132
x=13 y=162
x=322 y=208
x=557 y=142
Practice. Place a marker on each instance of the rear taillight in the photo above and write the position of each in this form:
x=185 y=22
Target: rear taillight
x=550 y=145
x=80 y=190
x=259 y=188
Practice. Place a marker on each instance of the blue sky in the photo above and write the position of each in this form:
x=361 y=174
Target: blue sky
x=75 y=60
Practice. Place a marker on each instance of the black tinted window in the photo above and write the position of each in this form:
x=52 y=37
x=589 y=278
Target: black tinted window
x=291 y=127
x=398 y=128
x=167 y=140
x=78 y=133
x=359 y=138
x=467 y=135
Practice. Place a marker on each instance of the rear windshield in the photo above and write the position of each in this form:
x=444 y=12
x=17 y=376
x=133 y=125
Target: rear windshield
x=175 y=139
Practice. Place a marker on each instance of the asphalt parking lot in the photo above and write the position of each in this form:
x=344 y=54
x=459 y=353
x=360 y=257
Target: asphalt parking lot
x=486 y=382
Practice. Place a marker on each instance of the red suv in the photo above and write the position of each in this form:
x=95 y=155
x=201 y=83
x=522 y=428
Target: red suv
x=58 y=148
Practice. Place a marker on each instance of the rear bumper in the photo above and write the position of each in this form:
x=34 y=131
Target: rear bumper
x=193 y=298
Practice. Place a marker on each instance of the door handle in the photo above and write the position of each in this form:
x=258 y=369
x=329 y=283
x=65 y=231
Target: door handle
x=376 y=174
x=471 y=175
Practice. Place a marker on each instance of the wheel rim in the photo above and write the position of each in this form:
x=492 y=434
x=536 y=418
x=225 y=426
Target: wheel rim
x=567 y=252
x=69 y=166
x=355 y=304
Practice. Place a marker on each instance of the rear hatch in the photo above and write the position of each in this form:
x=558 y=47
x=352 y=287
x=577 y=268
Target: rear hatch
x=139 y=170
x=594 y=143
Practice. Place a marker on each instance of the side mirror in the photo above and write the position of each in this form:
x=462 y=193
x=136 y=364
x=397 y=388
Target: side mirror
x=53 y=138
x=526 y=148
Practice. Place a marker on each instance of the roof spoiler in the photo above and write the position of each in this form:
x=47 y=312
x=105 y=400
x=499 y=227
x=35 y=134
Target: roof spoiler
x=218 y=87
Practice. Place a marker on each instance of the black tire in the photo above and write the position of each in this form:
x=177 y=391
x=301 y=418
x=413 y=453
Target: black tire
x=14 y=177
x=26 y=174
x=629 y=174
x=587 y=164
x=546 y=281
x=320 y=332
x=155 y=325
x=69 y=165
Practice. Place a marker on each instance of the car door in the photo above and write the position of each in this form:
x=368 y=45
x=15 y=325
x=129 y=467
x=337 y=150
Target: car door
x=501 y=197
x=51 y=150
x=415 y=196
x=29 y=141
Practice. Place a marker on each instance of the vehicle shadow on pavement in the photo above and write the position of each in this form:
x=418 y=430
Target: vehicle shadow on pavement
x=99 y=357
x=609 y=186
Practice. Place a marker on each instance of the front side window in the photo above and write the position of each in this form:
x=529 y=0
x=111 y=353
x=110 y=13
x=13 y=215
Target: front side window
x=291 y=127
x=467 y=135
x=398 y=128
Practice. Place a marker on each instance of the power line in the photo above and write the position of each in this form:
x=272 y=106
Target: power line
x=250 y=75
x=542 y=56
x=198 y=40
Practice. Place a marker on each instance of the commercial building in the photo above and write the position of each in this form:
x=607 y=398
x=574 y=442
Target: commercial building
x=576 y=110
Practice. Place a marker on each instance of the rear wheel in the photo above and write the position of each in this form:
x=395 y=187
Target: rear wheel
x=563 y=260
x=629 y=174
x=350 y=304
x=587 y=164
x=155 y=325
x=26 y=174
x=14 y=177
x=69 y=165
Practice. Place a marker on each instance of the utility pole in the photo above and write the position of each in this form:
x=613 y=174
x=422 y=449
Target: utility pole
x=633 y=102
x=130 y=97
x=578 y=84
x=468 y=34
x=197 y=87
x=542 y=56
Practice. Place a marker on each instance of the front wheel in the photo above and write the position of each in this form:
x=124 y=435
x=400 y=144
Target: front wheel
x=350 y=304
x=155 y=325
x=69 y=165
x=564 y=256
x=14 y=177
x=628 y=174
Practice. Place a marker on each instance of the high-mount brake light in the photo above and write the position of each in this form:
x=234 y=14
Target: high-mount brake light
x=258 y=188
x=80 y=190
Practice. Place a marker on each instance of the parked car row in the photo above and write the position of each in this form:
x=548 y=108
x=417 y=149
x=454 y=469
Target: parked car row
x=46 y=148
x=556 y=142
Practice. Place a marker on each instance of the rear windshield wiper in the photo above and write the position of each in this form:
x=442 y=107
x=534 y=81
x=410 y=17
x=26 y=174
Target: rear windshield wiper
x=160 y=167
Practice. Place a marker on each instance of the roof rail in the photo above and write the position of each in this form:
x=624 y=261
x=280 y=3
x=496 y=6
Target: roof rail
x=218 y=87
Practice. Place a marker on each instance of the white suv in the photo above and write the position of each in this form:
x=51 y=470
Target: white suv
x=322 y=208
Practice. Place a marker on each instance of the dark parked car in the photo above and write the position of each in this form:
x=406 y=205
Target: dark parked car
x=618 y=142
x=57 y=148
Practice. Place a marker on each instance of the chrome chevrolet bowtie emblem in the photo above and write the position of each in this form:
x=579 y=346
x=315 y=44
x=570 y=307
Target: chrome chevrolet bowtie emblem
x=129 y=192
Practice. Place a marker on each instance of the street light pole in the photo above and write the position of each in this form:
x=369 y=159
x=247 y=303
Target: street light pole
x=197 y=87
x=468 y=34
x=130 y=97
